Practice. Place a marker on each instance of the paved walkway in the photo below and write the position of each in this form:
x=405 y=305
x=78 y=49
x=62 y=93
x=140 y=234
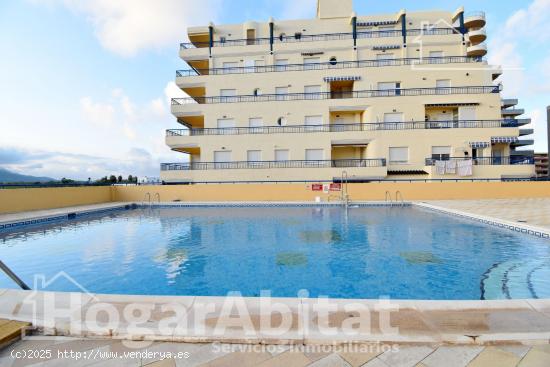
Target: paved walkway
x=111 y=353
x=535 y=212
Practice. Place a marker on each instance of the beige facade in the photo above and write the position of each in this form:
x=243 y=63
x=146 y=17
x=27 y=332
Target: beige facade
x=380 y=97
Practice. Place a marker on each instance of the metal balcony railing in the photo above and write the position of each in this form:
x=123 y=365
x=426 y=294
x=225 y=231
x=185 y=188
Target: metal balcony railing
x=490 y=161
x=290 y=129
x=339 y=95
x=475 y=14
x=336 y=65
x=336 y=163
x=298 y=37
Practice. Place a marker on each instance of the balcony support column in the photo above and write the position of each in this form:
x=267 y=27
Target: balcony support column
x=271 y=35
x=404 y=28
x=210 y=39
x=462 y=27
x=354 y=30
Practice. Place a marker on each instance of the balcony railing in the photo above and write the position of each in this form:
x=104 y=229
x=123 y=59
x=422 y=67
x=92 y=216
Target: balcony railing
x=330 y=65
x=339 y=95
x=490 y=161
x=319 y=37
x=337 y=163
x=290 y=129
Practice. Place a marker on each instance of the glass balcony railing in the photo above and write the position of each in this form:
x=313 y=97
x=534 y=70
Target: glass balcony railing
x=399 y=92
x=490 y=161
x=297 y=38
x=336 y=65
x=290 y=129
x=335 y=163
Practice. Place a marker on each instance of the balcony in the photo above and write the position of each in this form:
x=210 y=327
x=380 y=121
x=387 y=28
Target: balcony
x=525 y=132
x=336 y=163
x=475 y=20
x=328 y=66
x=522 y=143
x=479 y=50
x=491 y=161
x=334 y=128
x=400 y=92
x=514 y=112
x=477 y=36
x=317 y=38
x=508 y=102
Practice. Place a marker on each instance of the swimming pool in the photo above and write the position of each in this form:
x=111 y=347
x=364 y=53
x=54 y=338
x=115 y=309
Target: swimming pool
x=365 y=252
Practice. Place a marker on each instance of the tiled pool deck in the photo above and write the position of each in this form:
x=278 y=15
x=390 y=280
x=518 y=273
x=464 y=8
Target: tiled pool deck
x=276 y=356
x=431 y=333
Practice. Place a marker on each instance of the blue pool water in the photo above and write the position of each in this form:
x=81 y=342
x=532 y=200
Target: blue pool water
x=368 y=252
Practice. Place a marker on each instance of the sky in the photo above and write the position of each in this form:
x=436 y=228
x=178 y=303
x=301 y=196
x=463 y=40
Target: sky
x=85 y=85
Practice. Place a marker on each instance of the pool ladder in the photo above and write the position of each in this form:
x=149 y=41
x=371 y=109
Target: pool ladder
x=398 y=198
x=344 y=195
x=13 y=276
x=149 y=199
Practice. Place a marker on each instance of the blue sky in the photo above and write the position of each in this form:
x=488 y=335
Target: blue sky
x=86 y=84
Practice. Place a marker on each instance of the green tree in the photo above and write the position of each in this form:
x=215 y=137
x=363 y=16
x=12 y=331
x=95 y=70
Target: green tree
x=119 y=179
x=130 y=178
x=112 y=179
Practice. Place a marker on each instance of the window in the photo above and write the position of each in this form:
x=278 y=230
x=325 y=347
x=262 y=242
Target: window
x=443 y=86
x=441 y=153
x=435 y=57
x=255 y=122
x=281 y=155
x=225 y=123
x=280 y=93
x=221 y=158
x=314 y=155
x=254 y=155
x=228 y=95
x=230 y=65
x=281 y=64
x=393 y=120
x=312 y=91
x=385 y=59
x=389 y=88
x=281 y=121
x=249 y=66
x=250 y=36
x=311 y=63
x=466 y=113
x=399 y=155
x=314 y=123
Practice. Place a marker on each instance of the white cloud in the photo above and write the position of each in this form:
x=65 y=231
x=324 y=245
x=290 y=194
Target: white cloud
x=100 y=114
x=126 y=27
x=173 y=91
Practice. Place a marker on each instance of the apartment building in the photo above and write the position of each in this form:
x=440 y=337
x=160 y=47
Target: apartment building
x=542 y=165
x=406 y=95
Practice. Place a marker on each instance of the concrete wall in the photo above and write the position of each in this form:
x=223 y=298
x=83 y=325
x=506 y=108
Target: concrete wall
x=17 y=200
x=371 y=191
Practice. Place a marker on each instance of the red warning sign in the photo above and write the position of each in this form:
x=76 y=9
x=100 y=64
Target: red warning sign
x=317 y=187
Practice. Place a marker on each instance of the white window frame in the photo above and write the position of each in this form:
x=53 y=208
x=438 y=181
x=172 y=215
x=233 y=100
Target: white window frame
x=218 y=164
x=285 y=151
x=280 y=96
x=402 y=158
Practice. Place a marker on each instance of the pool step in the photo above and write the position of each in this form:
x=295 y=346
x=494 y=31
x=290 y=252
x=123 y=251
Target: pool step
x=516 y=279
x=11 y=331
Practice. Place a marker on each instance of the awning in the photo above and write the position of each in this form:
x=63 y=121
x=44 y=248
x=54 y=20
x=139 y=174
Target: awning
x=504 y=139
x=380 y=22
x=341 y=78
x=407 y=172
x=450 y=104
x=350 y=142
x=387 y=47
x=479 y=144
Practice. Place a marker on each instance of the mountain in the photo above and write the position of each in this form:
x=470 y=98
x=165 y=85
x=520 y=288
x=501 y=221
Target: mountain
x=12 y=177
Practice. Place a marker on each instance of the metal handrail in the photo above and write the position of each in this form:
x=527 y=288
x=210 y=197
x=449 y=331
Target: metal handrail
x=13 y=276
x=397 y=92
x=399 y=195
x=335 y=163
x=489 y=161
x=388 y=198
x=371 y=126
x=330 y=65
x=474 y=14
x=298 y=37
